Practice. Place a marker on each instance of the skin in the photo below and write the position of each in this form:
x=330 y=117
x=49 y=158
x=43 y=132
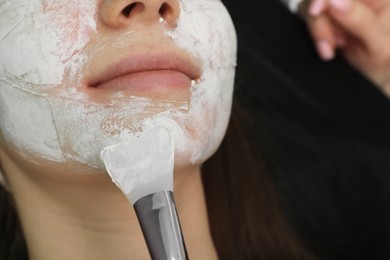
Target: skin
x=78 y=116
x=358 y=29
x=67 y=213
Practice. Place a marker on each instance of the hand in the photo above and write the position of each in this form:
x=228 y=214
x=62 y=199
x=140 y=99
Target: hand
x=359 y=29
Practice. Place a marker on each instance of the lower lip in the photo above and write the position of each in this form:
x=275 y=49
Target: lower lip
x=148 y=81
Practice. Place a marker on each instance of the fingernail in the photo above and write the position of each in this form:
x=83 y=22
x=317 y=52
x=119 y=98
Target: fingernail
x=341 y=5
x=325 y=50
x=316 y=7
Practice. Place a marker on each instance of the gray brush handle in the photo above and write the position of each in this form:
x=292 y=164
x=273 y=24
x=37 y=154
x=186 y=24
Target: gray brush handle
x=160 y=225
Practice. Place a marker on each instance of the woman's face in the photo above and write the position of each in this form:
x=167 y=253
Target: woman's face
x=79 y=75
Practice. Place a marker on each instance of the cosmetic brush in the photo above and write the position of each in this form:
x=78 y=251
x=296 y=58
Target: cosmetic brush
x=142 y=168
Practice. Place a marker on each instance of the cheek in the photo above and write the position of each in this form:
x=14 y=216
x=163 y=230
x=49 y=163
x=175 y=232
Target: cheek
x=26 y=123
x=27 y=49
x=43 y=42
x=206 y=31
x=74 y=22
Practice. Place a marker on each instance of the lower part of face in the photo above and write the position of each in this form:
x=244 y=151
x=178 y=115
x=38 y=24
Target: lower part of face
x=46 y=118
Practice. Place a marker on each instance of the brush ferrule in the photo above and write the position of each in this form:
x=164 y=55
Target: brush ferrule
x=160 y=225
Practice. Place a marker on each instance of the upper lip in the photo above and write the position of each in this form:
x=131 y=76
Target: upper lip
x=148 y=62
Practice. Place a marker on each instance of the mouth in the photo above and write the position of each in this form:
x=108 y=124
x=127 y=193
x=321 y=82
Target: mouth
x=148 y=73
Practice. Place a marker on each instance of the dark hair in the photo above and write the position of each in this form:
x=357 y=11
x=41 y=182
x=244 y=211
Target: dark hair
x=245 y=217
x=12 y=243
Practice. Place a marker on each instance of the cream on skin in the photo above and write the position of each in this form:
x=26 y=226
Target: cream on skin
x=49 y=49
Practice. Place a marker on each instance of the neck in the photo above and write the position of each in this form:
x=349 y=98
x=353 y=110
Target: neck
x=87 y=217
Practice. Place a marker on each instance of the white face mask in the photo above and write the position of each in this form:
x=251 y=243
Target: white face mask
x=50 y=48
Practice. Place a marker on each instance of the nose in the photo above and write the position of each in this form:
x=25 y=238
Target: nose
x=121 y=13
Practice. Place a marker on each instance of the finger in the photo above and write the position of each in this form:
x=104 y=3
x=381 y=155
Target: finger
x=340 y=37
x=312 y=8
x=316 y=7
x=359 y=21
x=322 y=32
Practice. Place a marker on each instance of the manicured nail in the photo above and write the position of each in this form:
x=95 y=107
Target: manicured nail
x=325 y=50
x=341 y=5
x=316 y=7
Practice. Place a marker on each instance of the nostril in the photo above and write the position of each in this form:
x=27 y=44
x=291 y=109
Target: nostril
x=165 y=10
x=120 y=13
x=127 y=10
x=168 y=12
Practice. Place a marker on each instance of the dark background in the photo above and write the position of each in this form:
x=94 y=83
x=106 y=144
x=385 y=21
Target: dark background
x=324 y=129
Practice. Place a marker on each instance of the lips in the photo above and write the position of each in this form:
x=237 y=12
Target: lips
x=148 y=72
